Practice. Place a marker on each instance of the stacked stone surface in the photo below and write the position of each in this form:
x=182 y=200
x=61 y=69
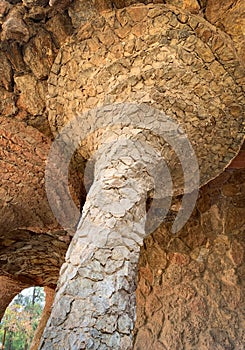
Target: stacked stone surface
x=152 y=55
x=165 y=58
x=183 y=57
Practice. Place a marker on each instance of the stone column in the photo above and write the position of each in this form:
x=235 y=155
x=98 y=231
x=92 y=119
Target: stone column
x=9 y=288
x=94 y=307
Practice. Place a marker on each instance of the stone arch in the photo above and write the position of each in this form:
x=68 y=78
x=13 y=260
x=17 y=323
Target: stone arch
x=10 y=288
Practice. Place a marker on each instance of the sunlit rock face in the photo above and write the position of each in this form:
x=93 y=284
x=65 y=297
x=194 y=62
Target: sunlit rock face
x=61 y=59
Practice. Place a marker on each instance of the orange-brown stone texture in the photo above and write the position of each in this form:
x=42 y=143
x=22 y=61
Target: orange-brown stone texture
x=190 y=292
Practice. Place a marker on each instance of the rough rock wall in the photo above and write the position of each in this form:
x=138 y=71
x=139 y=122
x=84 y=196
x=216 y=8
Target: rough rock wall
x=162 y=56
x=31 y=35
x=32 y=242
x=229 y=15
x=190 y=292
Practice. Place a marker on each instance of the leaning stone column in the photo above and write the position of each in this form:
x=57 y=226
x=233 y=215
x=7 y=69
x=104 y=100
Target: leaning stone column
x=95 y=304
x=9 y=288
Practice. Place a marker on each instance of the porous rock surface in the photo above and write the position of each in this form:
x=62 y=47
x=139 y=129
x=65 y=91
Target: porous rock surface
x=189 y=289
x=32 y=242
x=190 y=292
x=96 y=292
x=126 y=56
x=162 y=56
x=205 y=261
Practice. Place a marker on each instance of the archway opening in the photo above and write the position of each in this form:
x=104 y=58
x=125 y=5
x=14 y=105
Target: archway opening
x=21 y=319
